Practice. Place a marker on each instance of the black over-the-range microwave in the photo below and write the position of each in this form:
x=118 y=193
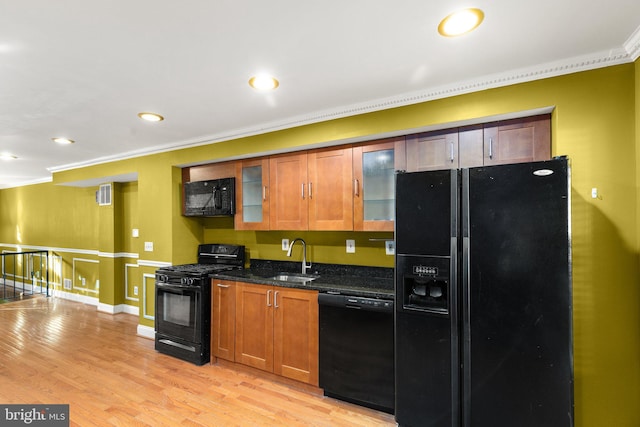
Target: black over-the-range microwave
x=214 y=197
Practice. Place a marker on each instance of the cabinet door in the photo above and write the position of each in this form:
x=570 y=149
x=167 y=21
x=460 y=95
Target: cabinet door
x=374 y=167
x=296 y=334
x=517 y=140
x=330 y=189
x=288 y=208
x=432 y=151
x=470 y=148
x=254 y=325
x=252 y=195
x=223 y=317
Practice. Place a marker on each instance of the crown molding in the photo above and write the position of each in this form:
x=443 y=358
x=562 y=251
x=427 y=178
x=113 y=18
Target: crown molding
x=632 y=45
x=624 y=55
x=25 y=183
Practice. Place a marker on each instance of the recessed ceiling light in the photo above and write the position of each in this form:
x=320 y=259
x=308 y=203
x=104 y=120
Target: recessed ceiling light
x=63 y=141
x=151 y=117
x=262 y=82
x=460 y=22
x=7 y=156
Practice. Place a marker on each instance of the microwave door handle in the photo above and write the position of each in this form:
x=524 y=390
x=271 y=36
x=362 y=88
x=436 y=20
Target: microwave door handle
x=217 y=200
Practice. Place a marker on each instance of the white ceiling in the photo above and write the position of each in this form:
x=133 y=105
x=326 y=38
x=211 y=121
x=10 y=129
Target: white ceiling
x=84 y=69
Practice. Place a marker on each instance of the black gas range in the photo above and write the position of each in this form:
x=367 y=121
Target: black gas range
x=183 y=302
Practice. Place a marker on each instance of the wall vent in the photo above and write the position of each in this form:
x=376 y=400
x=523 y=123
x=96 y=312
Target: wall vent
x=103 y=195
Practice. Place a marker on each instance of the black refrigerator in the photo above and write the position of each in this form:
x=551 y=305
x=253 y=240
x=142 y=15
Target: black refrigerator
x=483 y=297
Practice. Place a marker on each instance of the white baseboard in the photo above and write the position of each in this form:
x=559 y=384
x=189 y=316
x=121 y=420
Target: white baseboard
x=76 y=297
x=120 y=308
x=146 y=332
x=105 y=308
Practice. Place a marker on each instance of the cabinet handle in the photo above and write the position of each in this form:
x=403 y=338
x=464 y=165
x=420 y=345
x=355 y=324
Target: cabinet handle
x=356 y=188
x=310 y=190
x=264 y=192
x=491 y=148
x=275 y=299
x=451 y=154
x=303 y=191
x=220 y=285
x=269 y=298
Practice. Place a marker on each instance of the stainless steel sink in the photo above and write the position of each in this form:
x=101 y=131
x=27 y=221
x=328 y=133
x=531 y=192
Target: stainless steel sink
x=293 y=278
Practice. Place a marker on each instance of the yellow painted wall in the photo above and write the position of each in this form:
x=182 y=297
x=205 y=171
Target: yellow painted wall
x=44 y=214
x=595 y=117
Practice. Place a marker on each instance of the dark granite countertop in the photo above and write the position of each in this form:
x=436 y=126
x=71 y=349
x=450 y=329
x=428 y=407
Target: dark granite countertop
x=372 y=282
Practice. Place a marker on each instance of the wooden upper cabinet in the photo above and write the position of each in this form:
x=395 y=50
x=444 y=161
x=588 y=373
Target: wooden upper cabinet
x=510 y=141
x=517 y=140
x=252 y=194
x=330 y=189
x=223 y=318
x=209 y=171
x=374 y=166
x=470 y=148
x=311 y=190
x=432 y=151
x=288 y=208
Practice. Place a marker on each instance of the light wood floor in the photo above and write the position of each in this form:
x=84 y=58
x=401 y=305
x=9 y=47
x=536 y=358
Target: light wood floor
x=56 y=351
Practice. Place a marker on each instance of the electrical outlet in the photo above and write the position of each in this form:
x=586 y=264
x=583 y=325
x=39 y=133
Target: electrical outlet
x=390 y=247
x=67 y=284
x=148 y=246
x=84 y=282
x=285 y=244
x=135 y=291
x=97 y=284
x=351 y=246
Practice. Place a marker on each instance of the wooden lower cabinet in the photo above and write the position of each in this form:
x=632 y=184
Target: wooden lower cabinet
x=223 y=319
x=254 y=326
x=296 y=334
x=277 y=330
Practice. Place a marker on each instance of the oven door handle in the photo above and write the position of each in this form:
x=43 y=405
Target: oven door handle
x=174 y=287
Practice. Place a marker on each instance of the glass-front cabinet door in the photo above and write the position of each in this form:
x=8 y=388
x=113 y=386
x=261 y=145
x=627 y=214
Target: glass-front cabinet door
x=252 y=204
x=374 y=166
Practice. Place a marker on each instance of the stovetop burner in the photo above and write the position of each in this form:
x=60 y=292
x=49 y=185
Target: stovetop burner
x=211 y=258
x=198 y=268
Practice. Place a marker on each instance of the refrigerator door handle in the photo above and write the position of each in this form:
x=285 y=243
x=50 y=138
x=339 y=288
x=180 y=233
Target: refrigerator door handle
x=466 y=334
x=465 y=289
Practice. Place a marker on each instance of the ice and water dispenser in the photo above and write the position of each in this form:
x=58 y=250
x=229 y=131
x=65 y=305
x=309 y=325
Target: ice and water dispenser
x=425 y=283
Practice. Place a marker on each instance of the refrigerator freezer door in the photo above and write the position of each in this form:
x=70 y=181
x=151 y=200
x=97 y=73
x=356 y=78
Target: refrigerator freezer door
x=427 y=352
x=517 y=296
x=425 y=214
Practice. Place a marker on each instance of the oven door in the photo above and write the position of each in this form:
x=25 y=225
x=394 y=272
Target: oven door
x=178 y=311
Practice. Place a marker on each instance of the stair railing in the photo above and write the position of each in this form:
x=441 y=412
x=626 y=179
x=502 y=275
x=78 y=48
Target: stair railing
x=24 y=274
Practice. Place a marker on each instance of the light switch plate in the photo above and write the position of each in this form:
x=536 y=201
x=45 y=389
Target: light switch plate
x=351 y=246
x=135 y=232
x=148 y=246
x=390 y=247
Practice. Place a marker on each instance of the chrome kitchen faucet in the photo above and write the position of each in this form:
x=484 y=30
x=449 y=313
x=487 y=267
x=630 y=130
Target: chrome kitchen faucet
x=304 y=253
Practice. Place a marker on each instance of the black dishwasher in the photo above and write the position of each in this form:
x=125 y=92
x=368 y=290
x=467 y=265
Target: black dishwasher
x=356 y=350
